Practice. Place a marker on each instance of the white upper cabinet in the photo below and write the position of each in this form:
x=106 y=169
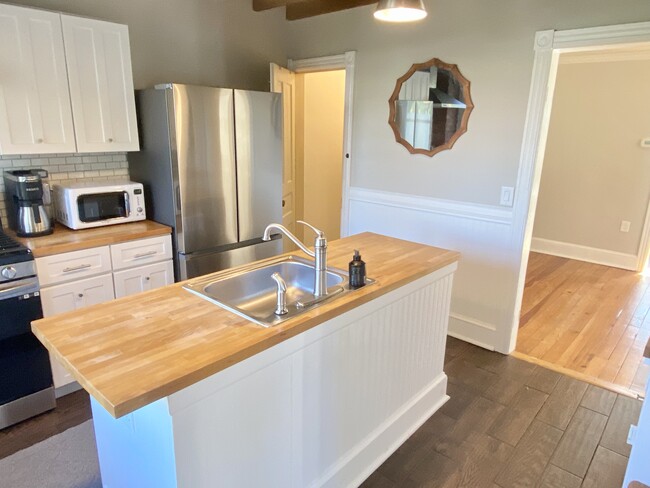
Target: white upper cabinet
x=101 y=85
x=35 y=114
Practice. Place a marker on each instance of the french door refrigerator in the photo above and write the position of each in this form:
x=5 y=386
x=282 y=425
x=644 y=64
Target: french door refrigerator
x=211 y=165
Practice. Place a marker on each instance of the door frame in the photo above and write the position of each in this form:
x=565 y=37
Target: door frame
x=344 y=61
x=549 y=44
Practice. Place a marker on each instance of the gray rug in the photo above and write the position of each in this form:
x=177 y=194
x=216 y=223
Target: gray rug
x=66 y=460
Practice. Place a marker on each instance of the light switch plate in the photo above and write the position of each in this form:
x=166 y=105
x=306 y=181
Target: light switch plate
x=507 y=196
x=625 y=226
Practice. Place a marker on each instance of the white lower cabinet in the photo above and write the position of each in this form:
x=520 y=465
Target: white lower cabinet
x=143 y=278
x=67 y=285
x=73 y=296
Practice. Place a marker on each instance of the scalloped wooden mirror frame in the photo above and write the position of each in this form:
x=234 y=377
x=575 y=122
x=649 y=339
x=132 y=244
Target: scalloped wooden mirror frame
x=464 y=82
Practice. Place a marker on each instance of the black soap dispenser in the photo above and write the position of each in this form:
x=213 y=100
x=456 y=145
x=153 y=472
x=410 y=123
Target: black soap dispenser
x=357 y=270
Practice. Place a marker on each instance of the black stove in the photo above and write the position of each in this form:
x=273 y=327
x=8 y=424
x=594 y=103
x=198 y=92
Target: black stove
x=26 y=381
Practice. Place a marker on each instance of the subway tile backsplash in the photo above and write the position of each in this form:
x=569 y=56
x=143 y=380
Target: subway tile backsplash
x=67 y=167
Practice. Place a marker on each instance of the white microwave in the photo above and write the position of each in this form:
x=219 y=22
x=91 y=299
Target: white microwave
x=82 y=205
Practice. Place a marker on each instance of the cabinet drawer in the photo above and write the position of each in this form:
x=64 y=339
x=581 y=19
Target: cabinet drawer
x=74 y=265
x=140 y=252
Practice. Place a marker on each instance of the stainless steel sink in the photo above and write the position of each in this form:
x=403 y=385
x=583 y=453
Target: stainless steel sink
x=250 y=291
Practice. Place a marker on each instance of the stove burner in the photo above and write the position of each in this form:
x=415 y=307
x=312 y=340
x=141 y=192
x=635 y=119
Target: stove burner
x=7 y=243
x=11 y=251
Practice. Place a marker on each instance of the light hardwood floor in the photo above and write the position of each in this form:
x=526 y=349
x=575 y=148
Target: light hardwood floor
x=587 y=319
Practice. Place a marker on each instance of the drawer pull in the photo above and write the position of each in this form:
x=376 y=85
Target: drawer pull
x=145 y=254
x=76 y=268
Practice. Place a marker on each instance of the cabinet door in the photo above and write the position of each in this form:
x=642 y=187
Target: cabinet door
x=35 y=113
x=143 y=278
x=101 y=84
x=72 y=296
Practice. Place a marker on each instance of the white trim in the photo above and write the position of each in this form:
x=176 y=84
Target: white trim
x=474 y=211
x=644 y=246
x=548 y=46
x=322 y=63
x=344 y=61
x=472 y=330
x=584 y=253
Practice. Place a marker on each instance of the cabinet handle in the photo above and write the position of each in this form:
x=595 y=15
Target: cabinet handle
x=76 y=268
x=80 y=295
x=110 y=139
x=144 y=254
x=40 y=141
x=147 y=278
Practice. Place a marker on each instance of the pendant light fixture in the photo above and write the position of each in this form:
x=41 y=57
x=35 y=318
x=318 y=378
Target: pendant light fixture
x=400 y=10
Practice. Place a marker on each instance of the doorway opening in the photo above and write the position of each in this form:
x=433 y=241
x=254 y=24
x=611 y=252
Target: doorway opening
x=320 y=101
x=317 y=141
x=584 y=289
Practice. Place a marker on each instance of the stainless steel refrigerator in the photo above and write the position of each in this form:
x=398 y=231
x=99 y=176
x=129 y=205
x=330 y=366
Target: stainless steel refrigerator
x=211 y=164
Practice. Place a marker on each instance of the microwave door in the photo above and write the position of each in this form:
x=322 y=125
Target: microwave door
x=95 y=207
x=205 y=152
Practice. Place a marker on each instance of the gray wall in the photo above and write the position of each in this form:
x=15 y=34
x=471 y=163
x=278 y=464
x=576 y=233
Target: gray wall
x=492 y=44
x=212 y=42
x=595 y=171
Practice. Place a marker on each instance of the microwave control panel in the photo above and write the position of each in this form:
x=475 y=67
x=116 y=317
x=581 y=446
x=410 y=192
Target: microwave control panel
x=138 y=206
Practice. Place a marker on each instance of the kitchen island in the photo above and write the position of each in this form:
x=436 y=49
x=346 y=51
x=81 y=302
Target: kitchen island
x=188 y=394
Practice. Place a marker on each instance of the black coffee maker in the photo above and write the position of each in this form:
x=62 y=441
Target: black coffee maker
x=24 y=195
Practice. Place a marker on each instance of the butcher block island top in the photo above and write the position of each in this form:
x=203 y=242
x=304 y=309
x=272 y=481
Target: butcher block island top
x=66 y=240
x=130 y=352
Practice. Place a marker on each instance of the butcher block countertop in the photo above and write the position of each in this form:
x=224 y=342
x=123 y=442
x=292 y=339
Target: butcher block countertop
x=66 y=240
x=130 y=352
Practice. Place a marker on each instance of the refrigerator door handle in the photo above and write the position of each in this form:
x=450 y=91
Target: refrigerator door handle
x=178 y=198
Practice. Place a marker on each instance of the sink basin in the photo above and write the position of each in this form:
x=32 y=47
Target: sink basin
x=251 y=292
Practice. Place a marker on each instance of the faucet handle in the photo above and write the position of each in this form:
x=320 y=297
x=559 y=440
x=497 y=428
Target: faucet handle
x=319 y=233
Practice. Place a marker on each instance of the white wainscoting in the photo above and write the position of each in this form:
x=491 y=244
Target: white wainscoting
x=584 y=253
x=484 y=281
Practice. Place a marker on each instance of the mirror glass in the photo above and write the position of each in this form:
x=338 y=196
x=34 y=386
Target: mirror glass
x=430 y=107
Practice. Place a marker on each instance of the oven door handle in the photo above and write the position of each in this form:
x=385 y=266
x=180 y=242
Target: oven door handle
x=18 y=288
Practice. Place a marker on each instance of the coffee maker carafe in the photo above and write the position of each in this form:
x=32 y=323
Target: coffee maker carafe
x=24 y=198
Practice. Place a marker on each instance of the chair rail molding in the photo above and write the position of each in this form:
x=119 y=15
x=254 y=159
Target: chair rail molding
x=548 y=46
x=480 y=232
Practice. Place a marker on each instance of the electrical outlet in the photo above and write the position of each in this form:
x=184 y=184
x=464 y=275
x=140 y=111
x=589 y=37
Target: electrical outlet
x=507 y=196
x=625 y=226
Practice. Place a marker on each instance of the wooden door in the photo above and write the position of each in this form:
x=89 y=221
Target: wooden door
x=35 y=113
x=101 y=85
x=284 y=81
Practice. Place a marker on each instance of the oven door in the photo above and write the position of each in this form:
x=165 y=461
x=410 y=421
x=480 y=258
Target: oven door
x=24 y=361
x=95 y=207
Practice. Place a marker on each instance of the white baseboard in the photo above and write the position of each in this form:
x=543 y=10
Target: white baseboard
x=584 y=253
x=471 y=330
x=385 y=440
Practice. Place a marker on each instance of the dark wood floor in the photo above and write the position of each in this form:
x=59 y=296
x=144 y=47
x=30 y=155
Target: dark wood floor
x=71 y=410
x=510 y=423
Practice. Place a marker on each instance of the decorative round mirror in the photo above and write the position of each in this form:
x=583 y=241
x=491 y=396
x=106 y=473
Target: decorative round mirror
x=430 y=107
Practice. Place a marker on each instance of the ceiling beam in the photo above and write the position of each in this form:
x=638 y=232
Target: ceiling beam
x=310 y=8
x=259 y=5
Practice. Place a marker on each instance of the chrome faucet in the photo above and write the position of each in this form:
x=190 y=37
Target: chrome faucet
x=319 y=253
x=281 y=307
